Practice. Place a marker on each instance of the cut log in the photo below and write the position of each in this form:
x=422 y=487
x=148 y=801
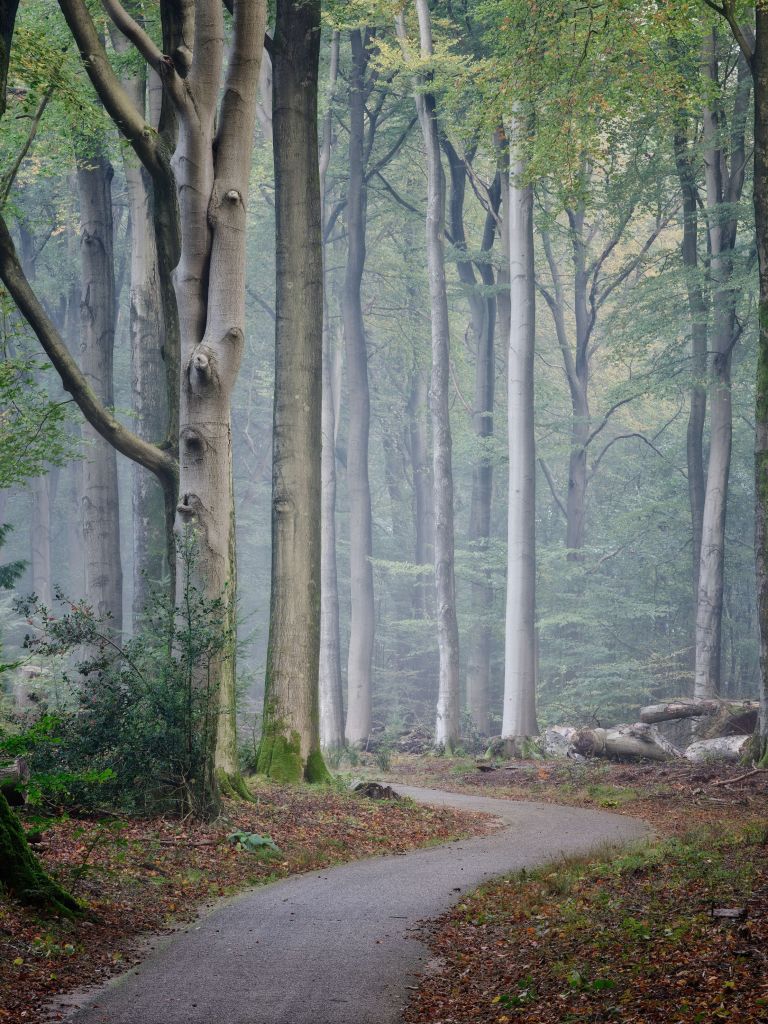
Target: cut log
x=557 y=741
x=681 y=707
x=13 y=775
x=723 y=748
x=624 y=742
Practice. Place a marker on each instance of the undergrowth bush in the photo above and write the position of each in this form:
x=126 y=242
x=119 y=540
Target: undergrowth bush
x=139 y=719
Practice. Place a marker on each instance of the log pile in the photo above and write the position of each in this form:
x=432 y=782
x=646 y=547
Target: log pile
x=724 y=734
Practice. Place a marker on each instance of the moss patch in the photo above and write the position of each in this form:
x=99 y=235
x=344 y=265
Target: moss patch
x=21 y=873
x=280 y=758
x=315 y=770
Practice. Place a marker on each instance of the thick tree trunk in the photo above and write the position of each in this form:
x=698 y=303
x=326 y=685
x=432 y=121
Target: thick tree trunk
x=359 y=665
x=330 y=683
x=724 y=181
x=448 y=715
x=290 y=744
x=519 y=715
x=99 y=500
x=423 y=490
x=22 y=875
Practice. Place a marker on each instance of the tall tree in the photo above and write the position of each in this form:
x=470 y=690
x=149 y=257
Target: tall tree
x=519 y=716
x=447 y=719
x=330 y=684
x=724 y=168
x=100 y=507
x=359 y=665
x=290 y=743
x=482 y=306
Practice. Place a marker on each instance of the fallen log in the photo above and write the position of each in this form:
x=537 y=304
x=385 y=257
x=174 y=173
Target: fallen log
x=682 y=707
x=624 y=742
x=13 y=775
x=722 y=748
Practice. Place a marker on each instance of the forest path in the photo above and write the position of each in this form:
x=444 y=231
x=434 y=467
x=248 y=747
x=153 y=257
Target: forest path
x=336 y=947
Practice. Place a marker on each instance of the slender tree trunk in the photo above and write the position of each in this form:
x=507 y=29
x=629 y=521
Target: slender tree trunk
x=149 y=381
x=290 y=745
x=330 y=684
x=40 y=540
x=760 y=195
x=360 y=658
x=482 y=306
x=519 y=716
x=99 y=500
x=447 y=719
x=724 y=185
x=697 y=307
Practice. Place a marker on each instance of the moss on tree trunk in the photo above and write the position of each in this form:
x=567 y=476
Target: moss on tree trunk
x=21 y=873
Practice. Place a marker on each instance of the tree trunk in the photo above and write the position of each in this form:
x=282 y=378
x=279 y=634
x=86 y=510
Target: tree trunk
x=519 y=717
x=361 y=628
x=22 y=875
x=423 y=490
x=698 y=313
x=447 y=719
x=100 y=499
x=724 y=181
x=149 y=379
x=673 y=710
x=760 y=195
x=330 y=683
x=290 y=744
x=40 y=540
x=482 y=305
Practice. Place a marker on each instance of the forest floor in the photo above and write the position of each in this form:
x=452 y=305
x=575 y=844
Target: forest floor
x=145 y=876
x=674 y=932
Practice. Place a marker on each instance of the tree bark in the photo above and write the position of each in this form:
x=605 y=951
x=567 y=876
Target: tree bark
x=759 y=66
x=697 y=307
x=360 y=658
x=152 y=530
x=482 y=305
x=22 y=875
x=330 y=683
x=724 y=181
x=519 y=715
x=447 y=718
x=290 y=744
x=99 y=501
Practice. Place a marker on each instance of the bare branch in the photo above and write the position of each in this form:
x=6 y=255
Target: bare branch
x=10 y=176
x=552 y=486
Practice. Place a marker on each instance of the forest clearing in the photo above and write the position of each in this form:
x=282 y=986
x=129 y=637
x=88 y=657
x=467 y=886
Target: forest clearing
x=384 y=413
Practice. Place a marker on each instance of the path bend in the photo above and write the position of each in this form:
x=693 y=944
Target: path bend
x=336 y=946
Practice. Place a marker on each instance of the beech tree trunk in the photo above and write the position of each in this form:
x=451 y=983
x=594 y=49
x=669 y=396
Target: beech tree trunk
x=330 y=683
x=149 y=390
x=448 y=714
x=519 y=714
x=360 y=659
x=724 y=182
x=482 y=305
x=290 y=744
x=99 y=500
x=698 y=313
x=759 y=66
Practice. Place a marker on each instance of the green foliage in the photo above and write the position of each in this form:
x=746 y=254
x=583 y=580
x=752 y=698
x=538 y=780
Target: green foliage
x=138 y=727
x=32 y=427
x=250 y=842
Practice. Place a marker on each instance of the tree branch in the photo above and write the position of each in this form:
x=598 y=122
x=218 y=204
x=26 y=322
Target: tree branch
x=551 y=481
x=109 y=89
x=101 y=419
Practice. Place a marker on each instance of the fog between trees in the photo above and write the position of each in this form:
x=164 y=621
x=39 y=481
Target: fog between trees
x=435 y=326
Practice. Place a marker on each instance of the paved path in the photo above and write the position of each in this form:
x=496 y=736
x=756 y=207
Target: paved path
x=336 y=947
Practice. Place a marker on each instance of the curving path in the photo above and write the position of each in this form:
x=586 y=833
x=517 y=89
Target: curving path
x=336 y=947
